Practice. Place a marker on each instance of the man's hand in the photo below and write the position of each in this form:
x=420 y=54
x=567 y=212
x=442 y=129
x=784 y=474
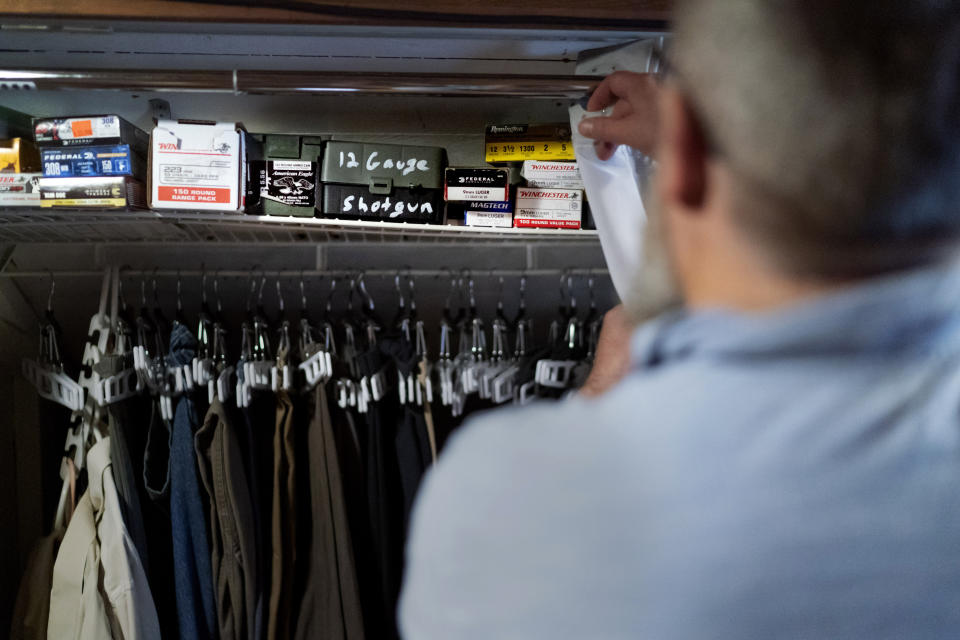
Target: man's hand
x=612 y=361
x=633 y=121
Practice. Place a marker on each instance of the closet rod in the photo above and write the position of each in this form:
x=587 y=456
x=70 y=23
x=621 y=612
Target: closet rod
x=313 y=273
x=301 y=82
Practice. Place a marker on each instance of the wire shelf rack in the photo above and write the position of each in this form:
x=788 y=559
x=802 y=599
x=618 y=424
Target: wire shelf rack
x=35 y=225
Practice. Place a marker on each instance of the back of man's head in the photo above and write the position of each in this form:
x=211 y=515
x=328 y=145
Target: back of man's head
x=839 y=120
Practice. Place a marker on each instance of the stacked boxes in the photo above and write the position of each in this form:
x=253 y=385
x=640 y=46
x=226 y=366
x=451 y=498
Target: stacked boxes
x=106 y=162
x=383 y=182
x=479 y=197
x=553 y=197
x=91 y=161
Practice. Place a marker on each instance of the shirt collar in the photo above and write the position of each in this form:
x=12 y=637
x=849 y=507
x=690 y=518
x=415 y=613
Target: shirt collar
x=915 y=310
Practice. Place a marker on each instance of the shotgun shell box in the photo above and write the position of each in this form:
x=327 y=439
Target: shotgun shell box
x=476 y=185
x=519 y=142
x=552 y=175
x=72 y=162
x=417 y=205
x=87 y=131
x=481 y=214
x=20 y=189
x=18 y=155
x=287 y=182
x=548 y=208
x=389 y=182
x=117 y=192
x=200 y=165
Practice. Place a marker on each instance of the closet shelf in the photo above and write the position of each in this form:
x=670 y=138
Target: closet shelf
x=70 y=225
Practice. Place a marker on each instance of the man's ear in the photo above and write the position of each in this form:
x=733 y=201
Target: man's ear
x=683 y=153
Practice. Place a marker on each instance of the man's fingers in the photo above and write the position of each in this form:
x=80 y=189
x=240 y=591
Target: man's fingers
x=607 y=129
x=617 y=85
x=604 y=150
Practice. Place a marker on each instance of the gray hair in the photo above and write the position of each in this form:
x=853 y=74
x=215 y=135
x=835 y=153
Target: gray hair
x=840 y=120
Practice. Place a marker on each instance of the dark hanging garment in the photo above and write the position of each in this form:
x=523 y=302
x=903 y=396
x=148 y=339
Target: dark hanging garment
x=349 y=434
x=156 y=459
x=233 y=554
x=258 y=424
x=384 y=497
x=196 y=607
x=330 y=607
x=155 y=502
x=283 y=530
x=414 y=454
x=127 y=420
x=132 y=423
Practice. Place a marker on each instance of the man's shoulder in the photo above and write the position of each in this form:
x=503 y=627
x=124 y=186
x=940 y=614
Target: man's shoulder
x=525 y=454
x=520 y=435
x=540 y=494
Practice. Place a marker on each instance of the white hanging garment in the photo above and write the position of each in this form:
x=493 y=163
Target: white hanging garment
x=100 y=588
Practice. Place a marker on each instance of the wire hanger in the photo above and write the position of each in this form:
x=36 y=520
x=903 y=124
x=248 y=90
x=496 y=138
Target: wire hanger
x=573 y=335
x=180 y=318
x=326 y=328
x=160 y=322
x=284 y=344
x=349 y=324
x=261 y=327
x=223 y=383
x=282 y=374
x=124 y=325
x=219 y=350
x=307 y=340
x=204 y=321
x=50 y=333
x=371 y=323
x=592 y=323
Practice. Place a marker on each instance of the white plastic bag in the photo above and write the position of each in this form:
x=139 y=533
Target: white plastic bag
x=614 y=191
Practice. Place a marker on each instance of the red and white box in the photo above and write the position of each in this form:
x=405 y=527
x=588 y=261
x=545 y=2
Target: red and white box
x=552 y=175
x=548 y=208
x=199 y=165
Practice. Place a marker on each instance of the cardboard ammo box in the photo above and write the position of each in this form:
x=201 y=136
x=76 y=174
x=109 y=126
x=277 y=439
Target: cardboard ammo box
x=552 y=175
x=200 y=165
x=104 y=161
x=520 y=142
x=482 y=184
x=480 y=214
x=20 y=189
x=87 y=131
x=287 y=181
x=384 y=182
x=18 y=155
x=116 y=192
x=548 y=208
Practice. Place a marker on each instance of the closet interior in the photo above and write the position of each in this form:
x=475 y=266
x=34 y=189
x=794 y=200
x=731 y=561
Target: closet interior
x=322 y=342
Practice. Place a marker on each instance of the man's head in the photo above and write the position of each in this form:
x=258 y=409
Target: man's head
x=813 y=139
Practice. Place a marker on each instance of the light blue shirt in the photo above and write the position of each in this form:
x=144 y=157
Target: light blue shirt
x=793 y=474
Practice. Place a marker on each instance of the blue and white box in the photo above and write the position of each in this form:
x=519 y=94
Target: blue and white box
x=91 y=162
x=482 y=214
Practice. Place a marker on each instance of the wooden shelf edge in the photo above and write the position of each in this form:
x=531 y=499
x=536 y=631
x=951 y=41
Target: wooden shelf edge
x=555 y=14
